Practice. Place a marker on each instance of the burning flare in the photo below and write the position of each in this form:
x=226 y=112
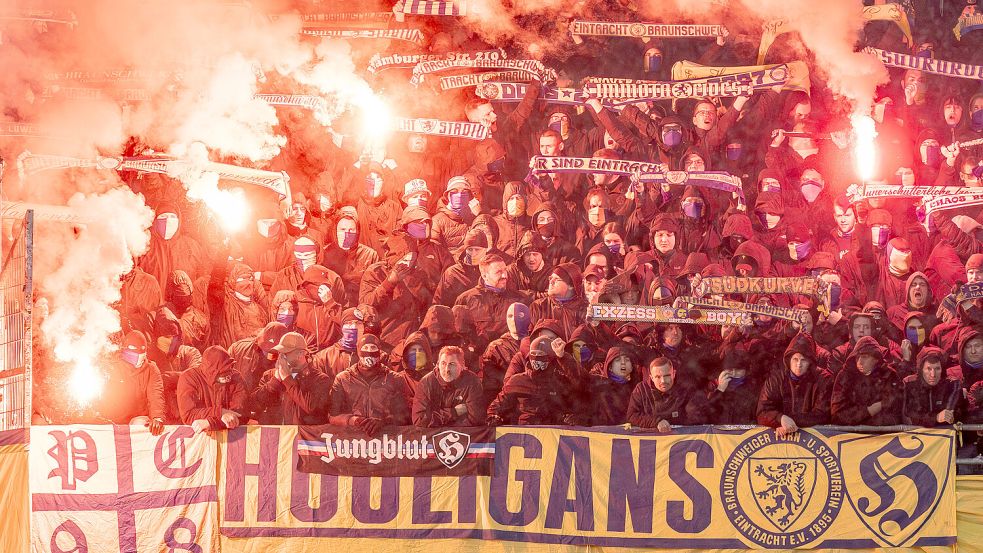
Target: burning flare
x=863 y=148
x=85 y=383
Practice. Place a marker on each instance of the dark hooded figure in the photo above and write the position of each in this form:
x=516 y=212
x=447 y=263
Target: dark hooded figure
x=134 y=389
x=659 y=403
x=412 y=359
x=867 y=391
x=538 y=394
x=769 y=220
x=598 y=213
x=733 y=397
x=270 y=249
x=305 y=253
x=665 y=258
x=178 y=293
x=396 y=291
x=969 y=367
x=797 y=396
x=369 y=396
x=495 y=360
x=340 y=355
x=546 y=223
x=611 y=384
x=211 y=396
x=347 y=257
x=377 y=212
x=172 y=247
x=235 y=303
x=320 y=297
x=172 y=357
x=462 y=276
x=253 y=357
x=139 y=296
x=564 y=301
x=531 y=269
x=930 y=398
x=698 y=231
x=514 y=220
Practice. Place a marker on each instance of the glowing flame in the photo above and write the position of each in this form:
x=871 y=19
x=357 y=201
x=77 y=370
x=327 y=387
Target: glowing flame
x=229 y=207
x=85 y=383
x=377 y=120
x=863 y=150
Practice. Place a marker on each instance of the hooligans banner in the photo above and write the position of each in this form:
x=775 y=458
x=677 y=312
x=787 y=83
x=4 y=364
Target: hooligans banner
x=119 y=489
x=793 y=75
x=400 y=451
x=696 y=488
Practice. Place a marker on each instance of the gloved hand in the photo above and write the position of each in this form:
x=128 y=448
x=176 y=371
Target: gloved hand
x=369 y=425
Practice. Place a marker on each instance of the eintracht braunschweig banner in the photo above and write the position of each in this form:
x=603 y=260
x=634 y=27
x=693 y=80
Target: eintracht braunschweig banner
x=697 y=488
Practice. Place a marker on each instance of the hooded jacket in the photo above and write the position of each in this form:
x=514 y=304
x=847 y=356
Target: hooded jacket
x=232 y=318
x=520 y=277
x=853 y=392
x=609 y=399
x=449 y=228
x=400 y=362
x=922 y=403
x=738 y=403
x=804 y=399
x=132 y=392
x=569 y=313
x=462 y=275
x=349 y=264
x=533 y=397
x=171 y=363
x=510 y=229
x=319 y=321
x=300 y=399
x=200 y=396
x=962 y=371
x=379 y=394
x=559 y=250
x=178 y=293
x=399 y=303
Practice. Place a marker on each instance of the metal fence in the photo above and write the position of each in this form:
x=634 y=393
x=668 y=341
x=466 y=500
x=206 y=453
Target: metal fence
x=15 y=327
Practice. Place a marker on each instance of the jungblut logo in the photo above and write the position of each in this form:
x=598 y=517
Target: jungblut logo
x=450 y=447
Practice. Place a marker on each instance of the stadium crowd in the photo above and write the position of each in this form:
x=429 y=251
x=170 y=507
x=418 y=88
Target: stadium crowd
x=442 y=282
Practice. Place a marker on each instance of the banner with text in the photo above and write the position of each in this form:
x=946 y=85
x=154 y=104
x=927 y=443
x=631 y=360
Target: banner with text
x=696 y=488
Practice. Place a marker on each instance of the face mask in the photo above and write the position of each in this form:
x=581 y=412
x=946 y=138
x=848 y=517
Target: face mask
x=811 y=190
x=467 y=259
x=305 y=253
x=799 y=251
x=582 y=354
x=349 y=337
x=373 y=185
x=548 y=229
x=879 y=235
x=915 y=335
x=245 y=288
x=735 y=382
x=223 y=379
x=324 y=293
x=418 y=230
x=672 y=137
x=516 y=207
x=134 y=358
x=168 y=344
x=734 y=151
x=555 y=126
x=458 y=200
x=286 y=318
x=596 y=216
x=976 y=120
x=693 y=210
x=932 y=156
x=268 y=228
x=538 y=365
x=518 y=325
x=615 y=248
x=242 y=297
x=181 y=302
x=347 y=239
x=497 y=166
x=417 y=360
x=166 y=225
x=369 y=360
x=899 y=262
x=323 y=203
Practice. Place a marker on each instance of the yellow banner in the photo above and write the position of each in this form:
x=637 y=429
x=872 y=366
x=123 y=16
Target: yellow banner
x=15 y=530
x=796 y=77
x=610 y=488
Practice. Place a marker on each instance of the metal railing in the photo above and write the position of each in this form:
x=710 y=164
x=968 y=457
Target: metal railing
x=15 y=328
